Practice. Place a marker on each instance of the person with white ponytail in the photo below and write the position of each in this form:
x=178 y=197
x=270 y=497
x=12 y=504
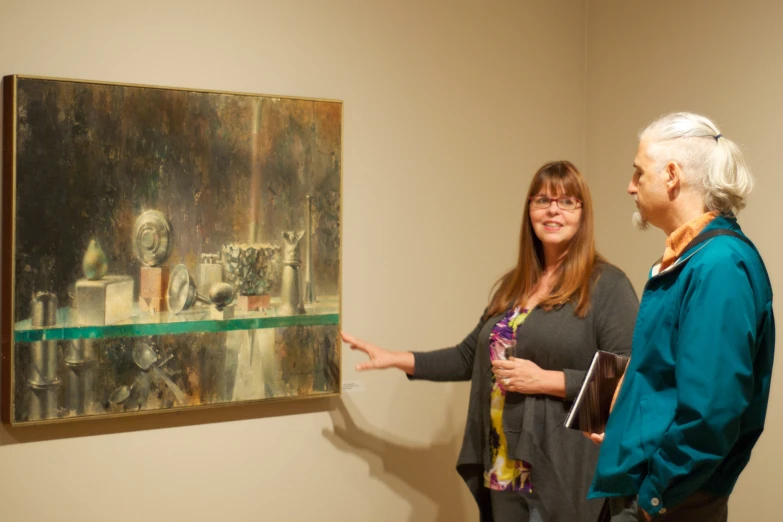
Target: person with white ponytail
x=693 y=401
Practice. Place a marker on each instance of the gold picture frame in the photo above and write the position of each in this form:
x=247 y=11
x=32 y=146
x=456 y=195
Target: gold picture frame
x=166 y=248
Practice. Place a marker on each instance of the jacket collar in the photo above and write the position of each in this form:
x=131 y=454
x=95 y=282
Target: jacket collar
x=723 y=221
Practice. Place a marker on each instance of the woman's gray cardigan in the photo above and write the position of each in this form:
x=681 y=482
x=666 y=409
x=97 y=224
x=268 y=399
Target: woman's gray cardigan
x=562 y=460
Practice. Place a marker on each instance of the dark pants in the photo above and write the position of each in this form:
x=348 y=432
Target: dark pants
x=621 y=509
x=699 y=507
x=511 y=506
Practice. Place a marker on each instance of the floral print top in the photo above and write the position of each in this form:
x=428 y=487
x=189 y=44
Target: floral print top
x=506 y=474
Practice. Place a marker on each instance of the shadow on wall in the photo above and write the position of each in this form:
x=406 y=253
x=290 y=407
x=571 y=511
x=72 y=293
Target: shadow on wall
x=425 y=476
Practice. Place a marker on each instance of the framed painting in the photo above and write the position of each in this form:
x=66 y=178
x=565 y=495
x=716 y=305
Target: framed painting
x=166 y=248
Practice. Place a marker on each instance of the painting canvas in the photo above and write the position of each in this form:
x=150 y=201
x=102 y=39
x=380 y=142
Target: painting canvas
x=166 y=248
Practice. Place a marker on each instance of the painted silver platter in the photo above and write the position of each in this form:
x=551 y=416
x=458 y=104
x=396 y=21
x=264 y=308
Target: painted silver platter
x=152 y=238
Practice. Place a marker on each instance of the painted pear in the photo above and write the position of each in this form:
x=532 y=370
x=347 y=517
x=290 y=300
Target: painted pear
x=94 y=263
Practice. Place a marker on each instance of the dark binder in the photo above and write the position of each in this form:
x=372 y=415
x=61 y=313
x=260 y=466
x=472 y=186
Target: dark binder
x=590 y=411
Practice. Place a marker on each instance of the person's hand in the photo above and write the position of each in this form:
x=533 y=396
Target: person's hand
x=379 y=357
x=519 y=375
x=597 y=438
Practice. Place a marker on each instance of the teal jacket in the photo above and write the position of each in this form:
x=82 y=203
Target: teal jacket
x=695 y=393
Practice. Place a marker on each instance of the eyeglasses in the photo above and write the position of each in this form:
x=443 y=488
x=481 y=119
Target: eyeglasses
x=564 y=202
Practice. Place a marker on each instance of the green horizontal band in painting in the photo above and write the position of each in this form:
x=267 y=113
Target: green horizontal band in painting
x=205 y=326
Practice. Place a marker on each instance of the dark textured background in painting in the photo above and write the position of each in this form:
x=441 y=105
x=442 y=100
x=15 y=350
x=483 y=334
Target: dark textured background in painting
x=92 y=157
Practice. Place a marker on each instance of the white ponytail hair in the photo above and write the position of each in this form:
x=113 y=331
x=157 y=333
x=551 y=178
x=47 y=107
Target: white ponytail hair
x=712 y=164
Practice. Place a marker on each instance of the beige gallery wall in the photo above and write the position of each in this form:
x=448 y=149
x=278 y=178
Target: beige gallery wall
x=449 y=108
x=721 y=58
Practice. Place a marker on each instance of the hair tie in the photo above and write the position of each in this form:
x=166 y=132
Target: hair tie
x=717 y=136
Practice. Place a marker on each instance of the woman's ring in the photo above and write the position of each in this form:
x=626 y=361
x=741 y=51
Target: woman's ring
x=506 y=381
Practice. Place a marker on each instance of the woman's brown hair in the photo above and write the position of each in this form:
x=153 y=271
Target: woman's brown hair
x=573 y=279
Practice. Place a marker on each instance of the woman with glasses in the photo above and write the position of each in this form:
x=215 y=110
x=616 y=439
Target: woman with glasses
x=527 y=357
